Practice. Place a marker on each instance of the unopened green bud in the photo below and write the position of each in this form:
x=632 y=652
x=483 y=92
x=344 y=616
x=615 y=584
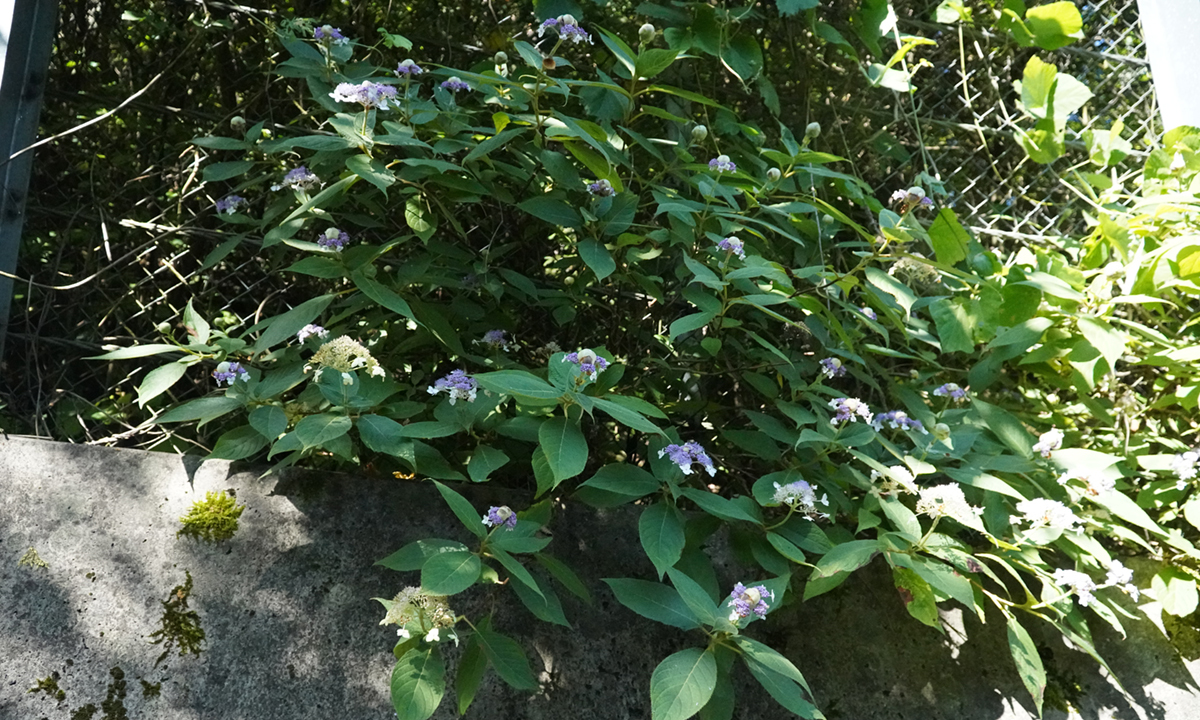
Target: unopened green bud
x=941 y=431
x=699 y=133
x=163 y=327
x=773 y=174
x=916 y=191
x=813 y=130
x=827 y=219
x=501 y=58
x=646 y=33
x=237 y=122
x=913 y=374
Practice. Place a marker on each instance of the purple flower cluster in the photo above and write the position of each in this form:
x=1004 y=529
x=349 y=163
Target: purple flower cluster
x=229 y=204
x=588 y=361
x=328 y=33
x=499 y=515
x=898 y=419
x=227 y=372
x=368 y=94
x=458 y=385
x=749 y=600
x=686 y=454
x=497 y=340
x=567 y=29
x=407 y=68
x=832 y=367
x=454 y=85
x=721 y=164
x=298 y=179
x=310 y=330
x=950 y=390
x=601 y=188
x=333 y=239
x=910 y=198
x=733 y=245
x=850 y=409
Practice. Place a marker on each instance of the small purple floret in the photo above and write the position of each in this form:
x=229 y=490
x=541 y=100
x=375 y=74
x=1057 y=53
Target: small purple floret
x=227 y=372
x=229 y=204
x=746 y=601
x=721 y=164
x=686 y=454
x=454 y=85
x=458 y=385
x=601 y=188
x=499 y=515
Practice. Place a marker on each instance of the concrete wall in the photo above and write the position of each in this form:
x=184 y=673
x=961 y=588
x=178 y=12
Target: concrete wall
x=292 y=632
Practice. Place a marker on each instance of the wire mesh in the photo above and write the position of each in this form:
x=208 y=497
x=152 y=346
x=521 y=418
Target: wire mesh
x=115 y=262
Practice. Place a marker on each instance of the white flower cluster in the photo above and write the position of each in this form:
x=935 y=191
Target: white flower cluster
x=1082 y=585
x=947 y=501
x=1093 y=486
x=1184 y=466
x=413 y=607
x=801 y=496
x=1049 y=442
x=344 y=355
x=897 y=479
x=1043 y=512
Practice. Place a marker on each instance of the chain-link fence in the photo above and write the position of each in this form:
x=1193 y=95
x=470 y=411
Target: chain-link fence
x=119 y=239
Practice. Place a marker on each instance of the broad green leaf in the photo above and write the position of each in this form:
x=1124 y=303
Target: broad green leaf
x=791 y=7
x=682 y=684
x=136 y=351
x=954 y=325
x=450 y=572
x=543 y=603
x=1175 y=590
x=226 y=170
x=694 y=596
x=285 y=326
x=519 y=384
x=597 y=258
x=204 y=409
x=413 y=555
x=1006 y=427
x=949 y=237
x=1054 y=25
x=514 y=567
x=373 y=171
x=1029 y=662
x=626 y=416
x=380 y=434
x=660 y=528
x=784 y=690
x=770 y=659
x=508 y=658
x=847 y=557
x=652 y=62
x=317 y=430
x=484 y=461
x=418 y=683
x=196 y=326
x=382 y=294
x=469 y=674
x=158 y=381
x=624 y=479
x=655 y=601
x=564 y=575
x=565 y=447
x=718 y=506
x=555 y=212
x=238 y=444
x=690 y=323
x=462 y=508
x=917 y=596
x=269 y=420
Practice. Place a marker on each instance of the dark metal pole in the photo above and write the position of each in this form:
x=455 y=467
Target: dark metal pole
x=26 y=41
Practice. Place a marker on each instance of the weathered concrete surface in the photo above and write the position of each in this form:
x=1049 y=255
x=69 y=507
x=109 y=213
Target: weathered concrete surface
x=292 y=632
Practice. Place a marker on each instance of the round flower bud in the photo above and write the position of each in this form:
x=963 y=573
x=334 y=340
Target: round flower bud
x=238 y=123
x=163 y=327
x=941 y=431
x=916 y=191
x=827 y=219
x=813 y=130
x=914 y=374
x=548 y=63
x=501 y=58
x=646 y=33
x=699 y=133
x=774 y=174
x=567 y=20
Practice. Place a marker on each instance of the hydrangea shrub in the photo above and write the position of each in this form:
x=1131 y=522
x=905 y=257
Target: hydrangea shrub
x=572 y=275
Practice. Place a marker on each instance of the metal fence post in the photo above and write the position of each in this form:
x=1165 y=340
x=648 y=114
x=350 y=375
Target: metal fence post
x=26 y=41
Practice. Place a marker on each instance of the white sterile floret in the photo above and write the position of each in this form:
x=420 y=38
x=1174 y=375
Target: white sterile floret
x=1043 y=512
x=947 y=501
x=1079 y=583
x=801 y=496
x=1049 y=442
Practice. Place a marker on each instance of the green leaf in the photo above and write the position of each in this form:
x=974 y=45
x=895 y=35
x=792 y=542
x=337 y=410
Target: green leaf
x=756 y=652
x=718 y=506
x=597 y=258
x=1006 y=427
x=418 y=683
x=450 y=572
x=953 y=325
x=136 y=351
x=158 y=381
x=470 y=673
x=508 y=658
x=555 y=212
x=317 y=430
x=484 y=461
x=285 y=326
x=626 y=416
x=490 y=144
x=690 y=323
x=196 y=326
x=382 y=294
x=213 y=142
x=695 y=597
x=917 y=596
x=1054 y=25
x=791 y=7
x=238 y=444
x=565 y=447
x=1107 y=340
x=269 y=420
x=373 y=171
x=518 y=384
x=204 y=410
x=623 y=479
x=655 y=601
x=413 y=555
x=949 y=237
x=564 y=575
x=784 y=690
x=1175 y=590
x=423 y=223
x=226 y=170
x=742 y=56
x=661 y=530
x=515 y=569
x=462 y=509
x=652 y=62
x=380 y=434
x=846 y=558
x=1029 y=662
x=542 y=602
x=682 y=684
